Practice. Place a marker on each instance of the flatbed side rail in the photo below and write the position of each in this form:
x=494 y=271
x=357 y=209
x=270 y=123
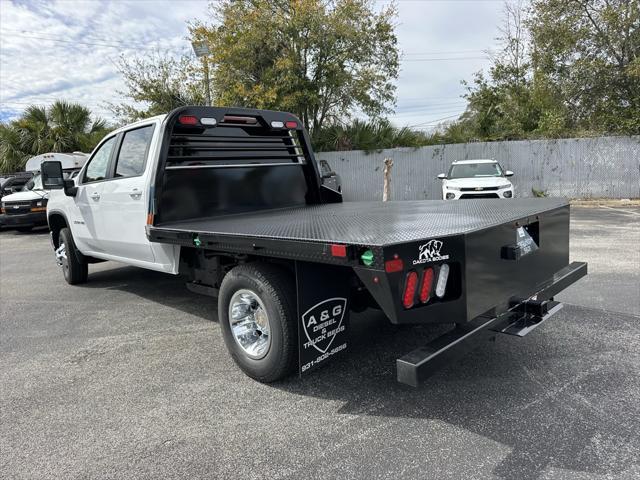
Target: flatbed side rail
x=310 y=251
x=523 y=316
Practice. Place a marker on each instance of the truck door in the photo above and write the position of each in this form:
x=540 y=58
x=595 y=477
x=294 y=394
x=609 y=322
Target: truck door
x=124 y=198
x=85 y=216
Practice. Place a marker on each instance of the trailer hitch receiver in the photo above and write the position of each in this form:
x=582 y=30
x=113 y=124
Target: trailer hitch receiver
x=519 y=319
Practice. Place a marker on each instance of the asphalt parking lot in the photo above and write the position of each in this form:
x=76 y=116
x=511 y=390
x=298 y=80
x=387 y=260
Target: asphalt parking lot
x=127 y=377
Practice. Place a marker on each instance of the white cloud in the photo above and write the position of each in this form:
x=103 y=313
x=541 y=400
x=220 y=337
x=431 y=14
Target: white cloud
x=68 y=48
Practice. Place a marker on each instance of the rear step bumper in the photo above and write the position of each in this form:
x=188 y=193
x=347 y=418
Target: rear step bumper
x=522 y=317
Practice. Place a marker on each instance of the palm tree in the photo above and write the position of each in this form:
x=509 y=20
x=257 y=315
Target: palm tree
x=12 y=157
x=62 y=127
x=34 y=129
x=368 y=136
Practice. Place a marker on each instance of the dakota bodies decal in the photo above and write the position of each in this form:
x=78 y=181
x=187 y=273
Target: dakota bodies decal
x=430 y=252
x=324 y=331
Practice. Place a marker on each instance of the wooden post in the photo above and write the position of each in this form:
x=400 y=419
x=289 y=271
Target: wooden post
x=386 y=189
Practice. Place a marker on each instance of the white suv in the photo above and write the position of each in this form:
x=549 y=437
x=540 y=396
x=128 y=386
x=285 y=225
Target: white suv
x=476 y=179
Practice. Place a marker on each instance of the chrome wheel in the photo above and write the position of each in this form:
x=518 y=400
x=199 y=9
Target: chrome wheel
x=61 y=255
x=250 y=323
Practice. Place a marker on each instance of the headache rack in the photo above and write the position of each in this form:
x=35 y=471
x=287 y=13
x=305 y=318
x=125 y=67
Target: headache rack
x=220 y=161
x=232 y=144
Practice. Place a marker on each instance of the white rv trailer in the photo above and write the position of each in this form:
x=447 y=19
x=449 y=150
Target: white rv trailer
x=69 y=161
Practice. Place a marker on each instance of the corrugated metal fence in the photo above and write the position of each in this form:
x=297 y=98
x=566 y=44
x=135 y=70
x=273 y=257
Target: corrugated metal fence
x=603 y=167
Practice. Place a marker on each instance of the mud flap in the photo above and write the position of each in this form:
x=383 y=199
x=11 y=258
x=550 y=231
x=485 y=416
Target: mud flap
x=323 y=313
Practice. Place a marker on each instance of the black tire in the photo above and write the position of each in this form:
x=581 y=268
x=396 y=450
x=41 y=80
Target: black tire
x=24 y=229
x=276 y=289
x=74 y=268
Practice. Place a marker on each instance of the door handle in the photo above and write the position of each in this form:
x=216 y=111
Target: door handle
x=135 y=193
x=95 y=196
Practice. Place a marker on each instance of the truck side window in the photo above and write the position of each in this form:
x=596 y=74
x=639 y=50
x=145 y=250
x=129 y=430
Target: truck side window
x=99 y=163
x=133 y=152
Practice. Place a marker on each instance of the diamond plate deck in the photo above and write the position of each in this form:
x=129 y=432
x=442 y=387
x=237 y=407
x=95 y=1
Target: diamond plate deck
x=370 y=223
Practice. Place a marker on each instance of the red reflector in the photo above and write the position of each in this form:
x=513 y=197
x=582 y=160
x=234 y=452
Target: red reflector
x=291 y=124
x=427 y=282
x=395 y=265
x=410 y=289
x=188 y=120
x=339 y=250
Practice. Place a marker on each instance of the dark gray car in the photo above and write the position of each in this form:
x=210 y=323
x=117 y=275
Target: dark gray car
x=329 y=178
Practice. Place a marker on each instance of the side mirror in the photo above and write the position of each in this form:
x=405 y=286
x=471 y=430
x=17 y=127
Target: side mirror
x=53 y=178
x=442 y=176
x=70 y=188
x=508 y=173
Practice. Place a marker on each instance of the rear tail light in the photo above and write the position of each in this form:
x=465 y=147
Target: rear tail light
x=338 y=250
x=291 y=124
x=188 y=120
x=443 y=276
x=427 y=283
x=410 y=287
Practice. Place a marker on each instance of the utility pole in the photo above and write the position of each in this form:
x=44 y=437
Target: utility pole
x=201 y=49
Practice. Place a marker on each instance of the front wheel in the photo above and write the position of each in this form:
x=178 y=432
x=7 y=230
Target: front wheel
x=74 y=269
x=256 y=309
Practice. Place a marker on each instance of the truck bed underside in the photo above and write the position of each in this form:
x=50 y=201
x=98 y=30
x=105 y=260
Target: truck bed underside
x=372 y=224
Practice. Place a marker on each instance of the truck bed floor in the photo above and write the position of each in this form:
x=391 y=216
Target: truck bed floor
x=369 y=223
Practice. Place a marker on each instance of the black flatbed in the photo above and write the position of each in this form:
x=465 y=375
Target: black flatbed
x=373 y=224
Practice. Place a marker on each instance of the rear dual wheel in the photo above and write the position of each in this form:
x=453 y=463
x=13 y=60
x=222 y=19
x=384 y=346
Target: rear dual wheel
x=256 y=309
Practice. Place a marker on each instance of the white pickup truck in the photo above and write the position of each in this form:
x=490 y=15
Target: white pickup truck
x=233 y=200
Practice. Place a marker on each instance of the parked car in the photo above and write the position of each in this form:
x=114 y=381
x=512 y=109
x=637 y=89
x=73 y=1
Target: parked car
x=232 y=199
x=328 y=177
x=468 y=179
x=14 y=182
x=26 y=209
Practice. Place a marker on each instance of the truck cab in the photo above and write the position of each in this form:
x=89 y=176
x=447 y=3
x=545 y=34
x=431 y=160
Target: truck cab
x=108 y=210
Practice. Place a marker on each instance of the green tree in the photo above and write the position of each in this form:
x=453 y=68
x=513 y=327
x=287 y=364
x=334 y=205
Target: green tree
x=12 y=157
x=368 y=136
x=157 y=84
x=320 y=59
x=589 y=50
x=508 y=103
x=565 y=68
x=62 y=127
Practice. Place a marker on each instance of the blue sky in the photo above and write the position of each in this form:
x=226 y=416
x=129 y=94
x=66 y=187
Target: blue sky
x=67 y=49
